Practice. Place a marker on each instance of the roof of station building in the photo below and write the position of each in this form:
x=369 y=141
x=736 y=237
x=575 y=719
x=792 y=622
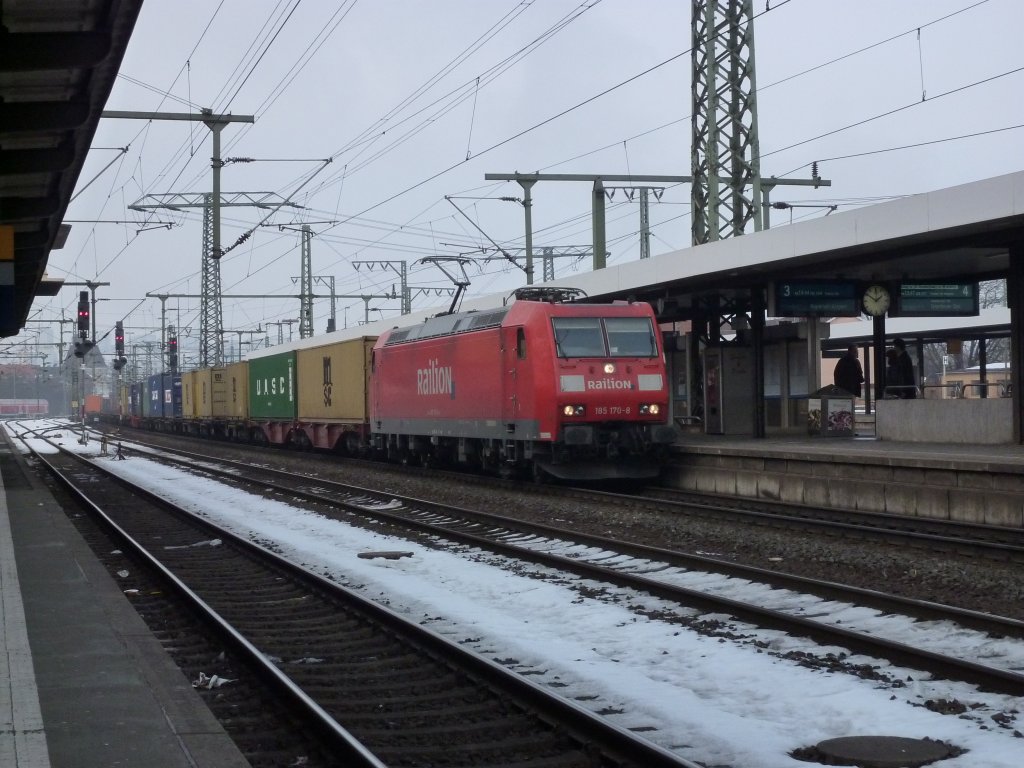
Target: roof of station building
x=958 y=232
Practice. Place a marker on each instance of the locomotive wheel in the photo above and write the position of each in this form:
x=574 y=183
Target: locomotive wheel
x=540 y=477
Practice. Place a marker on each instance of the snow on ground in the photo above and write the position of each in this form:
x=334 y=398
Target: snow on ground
x=714 y=700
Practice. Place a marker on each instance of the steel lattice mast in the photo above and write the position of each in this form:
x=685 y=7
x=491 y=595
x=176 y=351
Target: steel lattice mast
x=306 y=285
x=725 y=164
x=211 y=314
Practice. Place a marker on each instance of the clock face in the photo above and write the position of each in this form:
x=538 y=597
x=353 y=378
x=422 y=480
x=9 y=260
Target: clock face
x=876 y=300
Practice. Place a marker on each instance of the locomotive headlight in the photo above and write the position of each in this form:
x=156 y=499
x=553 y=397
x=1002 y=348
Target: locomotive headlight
x=609 y=367
x=652 y=408
x=573 y=410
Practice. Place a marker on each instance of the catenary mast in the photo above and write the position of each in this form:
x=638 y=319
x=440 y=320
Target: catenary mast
x=725 y=164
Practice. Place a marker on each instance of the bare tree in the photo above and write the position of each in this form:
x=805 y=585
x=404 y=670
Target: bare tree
x=992 y=293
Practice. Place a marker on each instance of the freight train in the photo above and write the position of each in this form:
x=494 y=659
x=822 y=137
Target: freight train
x=543 y=385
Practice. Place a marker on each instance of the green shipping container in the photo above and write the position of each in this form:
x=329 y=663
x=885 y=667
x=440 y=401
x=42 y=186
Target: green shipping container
x=272 y=387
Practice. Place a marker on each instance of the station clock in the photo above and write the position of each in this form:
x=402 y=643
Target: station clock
x=876 y=300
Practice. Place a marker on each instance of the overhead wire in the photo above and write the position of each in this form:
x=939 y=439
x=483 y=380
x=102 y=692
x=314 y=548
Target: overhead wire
x=896 y=110
x=361 y=215
x=907 y=146
x=549 y=33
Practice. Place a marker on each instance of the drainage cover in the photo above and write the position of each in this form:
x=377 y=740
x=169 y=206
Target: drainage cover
x=883 y=751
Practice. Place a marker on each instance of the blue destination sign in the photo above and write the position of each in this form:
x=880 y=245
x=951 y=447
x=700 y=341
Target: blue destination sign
x=943 y=299
x=800 y=298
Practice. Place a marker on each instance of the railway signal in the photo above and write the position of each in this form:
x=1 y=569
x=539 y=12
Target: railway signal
x=83 y=314
x=119 y=359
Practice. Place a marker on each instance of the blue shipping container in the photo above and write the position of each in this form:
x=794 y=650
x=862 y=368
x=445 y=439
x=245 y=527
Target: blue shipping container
x=171 y=385
x=153 y=397
x=135 y=398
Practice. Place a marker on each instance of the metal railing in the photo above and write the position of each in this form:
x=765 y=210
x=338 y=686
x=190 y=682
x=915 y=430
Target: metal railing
x=898 y=391
x=984 y=388
x=958 y=390
x=954 y=390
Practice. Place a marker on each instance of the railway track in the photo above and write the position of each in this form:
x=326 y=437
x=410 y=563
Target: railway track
x=376 y=689
x=989 y=541
x=779 y=603
x=995 y=543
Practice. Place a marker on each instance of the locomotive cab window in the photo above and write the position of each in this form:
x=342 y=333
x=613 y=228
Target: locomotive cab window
x=630 y=337
x=610 y=337
x=578 y=337
x=521 y=343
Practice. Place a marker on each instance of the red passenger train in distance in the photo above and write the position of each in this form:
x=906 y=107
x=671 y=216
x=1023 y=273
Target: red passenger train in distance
x=544 y=384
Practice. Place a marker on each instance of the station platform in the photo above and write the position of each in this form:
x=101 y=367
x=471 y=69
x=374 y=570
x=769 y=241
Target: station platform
x=965 y=482
x=83 y=682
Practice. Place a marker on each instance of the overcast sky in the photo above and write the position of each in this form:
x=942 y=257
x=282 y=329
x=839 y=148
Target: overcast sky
x=398 y=94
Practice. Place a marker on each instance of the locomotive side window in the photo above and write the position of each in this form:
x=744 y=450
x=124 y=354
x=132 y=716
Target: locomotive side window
x=630 y=337
x=521 y=343
x=579 y=337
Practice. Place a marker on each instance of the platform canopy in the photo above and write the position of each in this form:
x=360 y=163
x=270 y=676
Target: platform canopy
x=963 y=232
x=58 y=62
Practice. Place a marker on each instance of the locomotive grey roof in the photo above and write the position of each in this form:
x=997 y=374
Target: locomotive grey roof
x=446 y=325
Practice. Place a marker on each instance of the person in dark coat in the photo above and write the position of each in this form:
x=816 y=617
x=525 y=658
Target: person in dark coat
x=905 y=370
x=848 y=374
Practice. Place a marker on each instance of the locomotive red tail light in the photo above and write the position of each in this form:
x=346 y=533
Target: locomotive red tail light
x=574 y=410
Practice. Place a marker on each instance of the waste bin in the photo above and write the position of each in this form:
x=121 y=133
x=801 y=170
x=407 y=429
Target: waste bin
x=830 y=412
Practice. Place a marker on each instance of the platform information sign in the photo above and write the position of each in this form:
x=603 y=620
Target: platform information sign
x=800 y=298
x=943 y=299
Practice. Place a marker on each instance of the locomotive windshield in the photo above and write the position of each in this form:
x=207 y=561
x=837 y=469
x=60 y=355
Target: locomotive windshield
x=630 y=337
x=608 y=337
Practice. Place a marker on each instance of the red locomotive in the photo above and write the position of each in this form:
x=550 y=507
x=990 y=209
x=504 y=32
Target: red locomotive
x=545 y=384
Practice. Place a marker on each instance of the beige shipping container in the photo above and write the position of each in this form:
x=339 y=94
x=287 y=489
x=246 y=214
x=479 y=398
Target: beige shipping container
x=236 y=391
x=333 y=381
x=188 y=395
x=211 y=393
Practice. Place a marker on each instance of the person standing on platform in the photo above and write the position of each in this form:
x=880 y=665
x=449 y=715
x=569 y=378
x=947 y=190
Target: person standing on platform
x=892 y=373
x=905 y=369
x=848 y=375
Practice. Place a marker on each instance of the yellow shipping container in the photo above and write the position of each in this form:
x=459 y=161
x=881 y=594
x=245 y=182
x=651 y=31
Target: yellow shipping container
x=333 y=381
x=188 y=395
x=236 y=391
x=124 y=401
x=211 y=393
